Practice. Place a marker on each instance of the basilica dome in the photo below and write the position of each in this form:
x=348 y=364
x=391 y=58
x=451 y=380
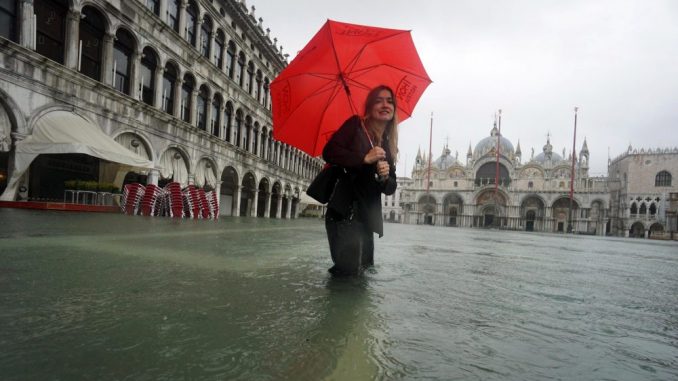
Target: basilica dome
x=446 y=160
x=489 y=144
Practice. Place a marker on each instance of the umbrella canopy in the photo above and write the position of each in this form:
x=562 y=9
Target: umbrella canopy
x=328 y=81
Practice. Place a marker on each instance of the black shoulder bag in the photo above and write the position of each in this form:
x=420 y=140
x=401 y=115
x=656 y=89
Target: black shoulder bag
x=322 y=186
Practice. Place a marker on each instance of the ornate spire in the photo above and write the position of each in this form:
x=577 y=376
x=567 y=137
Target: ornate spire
x=585 y=147
x=518 y=151
x=470 y=151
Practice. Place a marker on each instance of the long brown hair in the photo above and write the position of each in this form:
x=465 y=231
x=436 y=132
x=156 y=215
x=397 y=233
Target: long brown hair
x=392 y=127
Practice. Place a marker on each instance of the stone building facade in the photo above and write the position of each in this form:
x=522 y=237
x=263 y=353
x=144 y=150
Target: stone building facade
x=642 y=185
x=181 y=83
x=531 y=195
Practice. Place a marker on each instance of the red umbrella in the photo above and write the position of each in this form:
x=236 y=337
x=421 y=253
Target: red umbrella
x=329 y=79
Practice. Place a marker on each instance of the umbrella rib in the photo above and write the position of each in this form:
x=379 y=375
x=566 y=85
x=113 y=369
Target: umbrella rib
x=366 y=69
x=327 y=105
x=354 y=61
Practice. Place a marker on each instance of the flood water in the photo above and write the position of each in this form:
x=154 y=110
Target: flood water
x=115 y=297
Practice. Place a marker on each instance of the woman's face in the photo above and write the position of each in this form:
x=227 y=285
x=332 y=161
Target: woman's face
x=383 y=107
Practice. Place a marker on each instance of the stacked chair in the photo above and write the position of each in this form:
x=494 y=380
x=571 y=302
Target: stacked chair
x=131 y=198
x=173 y=200
x=150 y=203
x=213 y=203
x=205 y=209
x=191 y=202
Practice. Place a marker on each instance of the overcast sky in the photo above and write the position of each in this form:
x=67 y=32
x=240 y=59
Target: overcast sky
x=536 y=60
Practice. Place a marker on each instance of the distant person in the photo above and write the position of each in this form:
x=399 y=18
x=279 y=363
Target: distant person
x=354 y=211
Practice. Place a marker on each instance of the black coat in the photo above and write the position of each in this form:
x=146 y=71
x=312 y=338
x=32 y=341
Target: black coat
x=347 y=148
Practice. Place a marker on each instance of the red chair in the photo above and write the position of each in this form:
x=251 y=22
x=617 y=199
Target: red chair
x=173 y=200
x=150 y=201
x=131 y=198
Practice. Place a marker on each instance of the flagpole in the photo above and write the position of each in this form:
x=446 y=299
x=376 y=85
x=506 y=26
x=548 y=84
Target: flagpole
x=496 y=173
x=430 y=144
x=574 y=143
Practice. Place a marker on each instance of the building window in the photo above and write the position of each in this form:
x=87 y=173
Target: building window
x=215 y=122
x=205 y=37
x=229 y=121
x=8 y=17
x=248 y=132
x=230 y=59
x=455 y=184
x=663 y=179
x=191 y=23
x=203 y=97
x=91 y=35
x=249 y=85
x=173 y=14
x=186 y=91
x=154 y=6
x=219 y=49
x=238 y=128
x=634 y=208
x=51 y=25
x=122 y=60
x=265 y=95
x=148 y=68
x=169 y=79
x=530 y=184
x=257 y=88
x=240 y=69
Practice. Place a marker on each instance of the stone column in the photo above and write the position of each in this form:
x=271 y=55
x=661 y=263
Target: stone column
x=217 y=193
x=134 y=76
x=107 y=60
x=221 y=130
x=198 y=34
x=278 y=212
x=208 y=116
x=191 y=179
x=194 y=108
x=27 y=31
x=71 y=56
x=182 y=18
x=157 y=91
x=176 y=107
x=267 y=204
x=163 y=11
x=236 y=199
x=255 y=202
x=153 y=177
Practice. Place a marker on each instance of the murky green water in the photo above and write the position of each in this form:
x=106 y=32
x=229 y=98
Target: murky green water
x=113 y=297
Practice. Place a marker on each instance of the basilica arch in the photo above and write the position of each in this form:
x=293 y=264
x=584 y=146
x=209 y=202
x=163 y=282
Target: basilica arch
x=453 y=209
x=532 y=212
x=560 y=210
x=427 y=209
x=491 y=209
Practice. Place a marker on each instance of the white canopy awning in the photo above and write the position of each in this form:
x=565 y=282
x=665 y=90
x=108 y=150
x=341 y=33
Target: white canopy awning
x=65 y=132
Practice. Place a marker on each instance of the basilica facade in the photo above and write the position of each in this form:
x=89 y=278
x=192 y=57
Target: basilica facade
x=147 y=91
x=530 y=195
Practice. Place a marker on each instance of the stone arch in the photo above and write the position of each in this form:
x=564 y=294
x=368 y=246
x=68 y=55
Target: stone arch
x=205 y=173
x=175 y=165
x=532 y=212
x=247 y=194
x=230 y=185
x=656 y=229
x=141 y=147
x=453 y=208
x=637 y=230
x=560 y=209
x=276 y=199
x=264 y=194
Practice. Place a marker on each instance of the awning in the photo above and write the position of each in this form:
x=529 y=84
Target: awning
x=65 y=132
